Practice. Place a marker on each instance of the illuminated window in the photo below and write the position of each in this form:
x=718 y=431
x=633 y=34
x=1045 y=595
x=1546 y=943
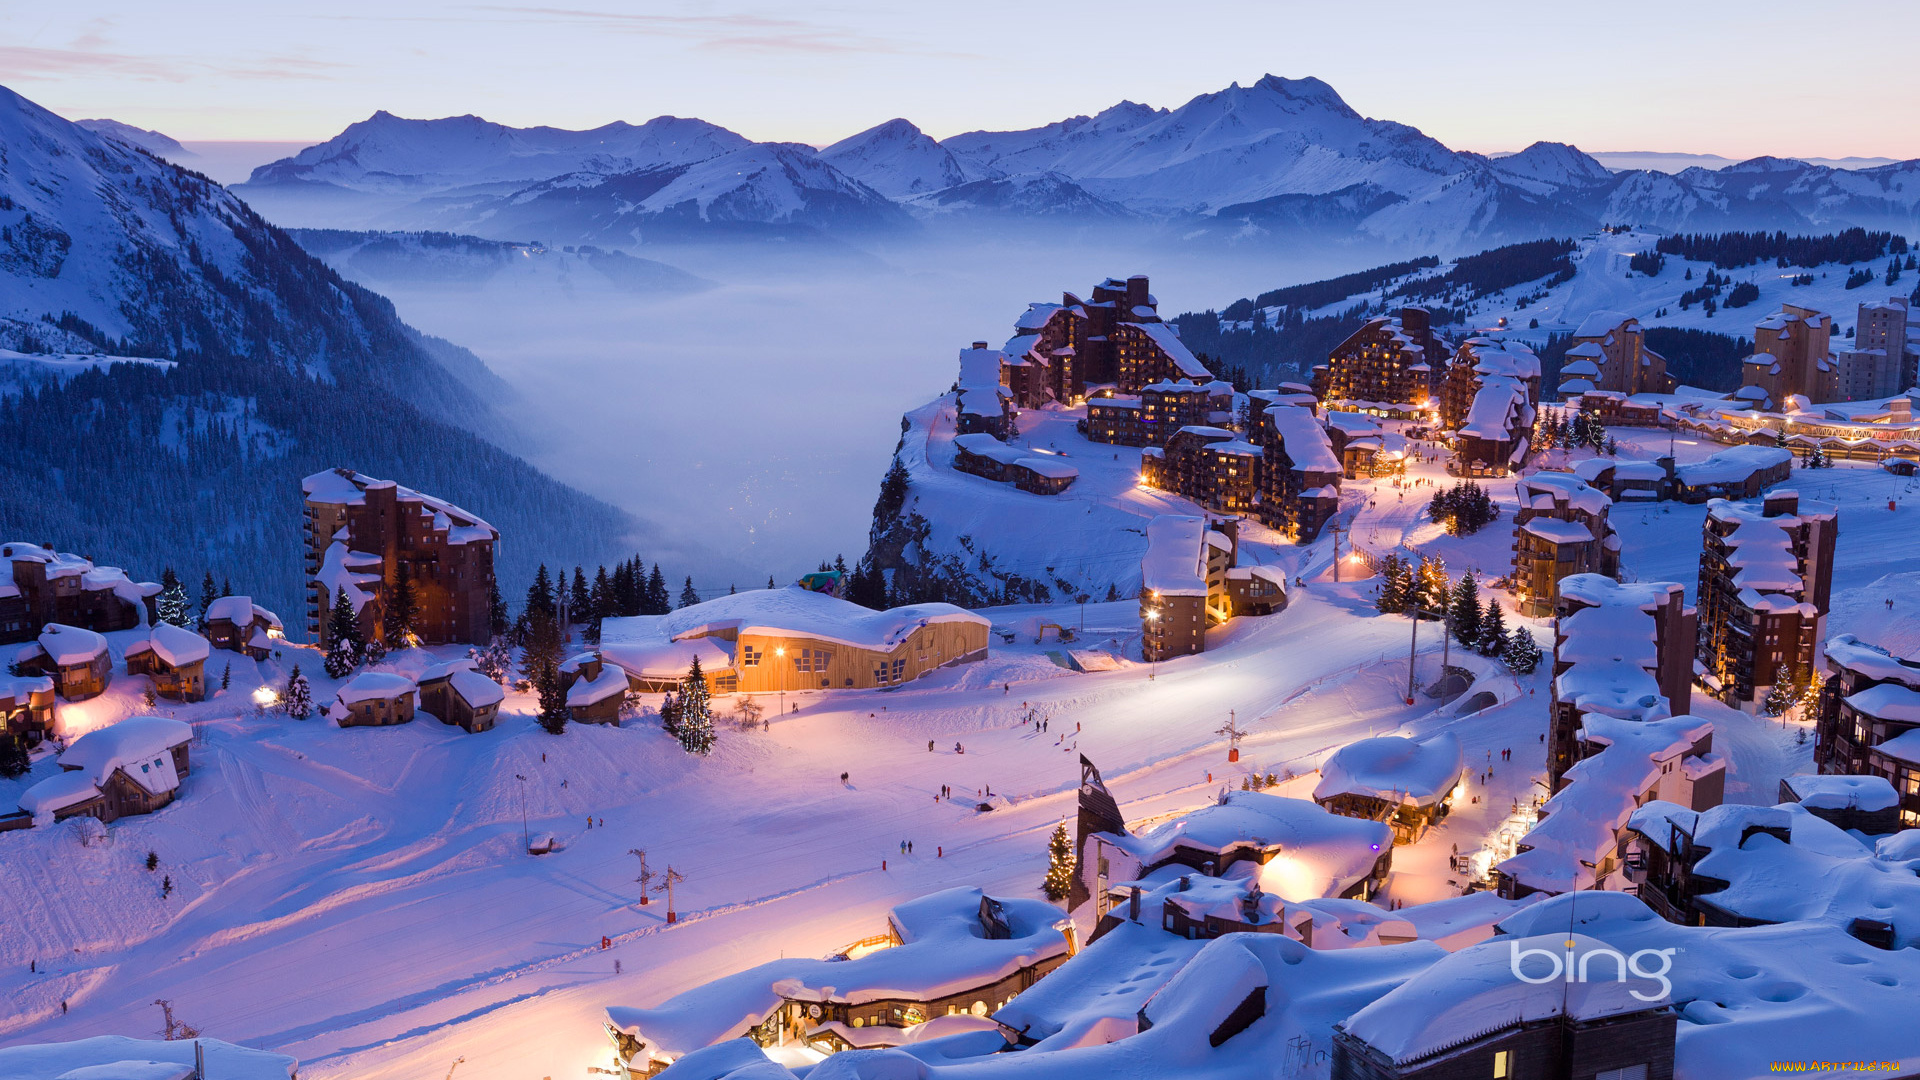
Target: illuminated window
x=1502 y=1063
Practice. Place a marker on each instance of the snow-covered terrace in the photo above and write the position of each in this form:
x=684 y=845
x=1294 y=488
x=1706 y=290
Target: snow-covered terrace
x=1394 y=768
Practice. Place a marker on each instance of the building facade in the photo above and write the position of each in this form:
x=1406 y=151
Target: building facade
x=1392 y=359
x=1766 y=578
x=364 y=534
x=1624 y=650
x=1792 y=355
x=1867 y=719
x=43 y=586
x=1560 y=529
x=1609 y=352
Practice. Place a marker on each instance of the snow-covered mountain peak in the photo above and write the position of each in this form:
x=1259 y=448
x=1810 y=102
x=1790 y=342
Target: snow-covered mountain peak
x=388 y=153
x=896 y=159
x=1554 y=163
x=153 y=142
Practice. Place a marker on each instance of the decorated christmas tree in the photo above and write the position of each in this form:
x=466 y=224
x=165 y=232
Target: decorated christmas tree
x=171 y=604
x=1059 y=877
x=696 y=715
x=1783 y=694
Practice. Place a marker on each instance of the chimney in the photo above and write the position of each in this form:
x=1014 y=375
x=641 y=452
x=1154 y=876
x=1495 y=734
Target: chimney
x=979 y=344
x=1137 y=290
x=1780 y=503
x=1133 y=904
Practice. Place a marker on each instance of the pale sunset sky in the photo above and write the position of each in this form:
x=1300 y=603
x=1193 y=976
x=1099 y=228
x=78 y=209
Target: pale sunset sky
x=1735 y=79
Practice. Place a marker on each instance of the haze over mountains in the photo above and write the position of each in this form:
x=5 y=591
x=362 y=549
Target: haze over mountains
x=259 y=365
x=1282 y=155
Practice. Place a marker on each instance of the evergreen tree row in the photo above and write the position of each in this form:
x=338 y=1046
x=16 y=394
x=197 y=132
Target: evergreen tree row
x=1732 y=250
x=1464 y=508
x=1423 y=590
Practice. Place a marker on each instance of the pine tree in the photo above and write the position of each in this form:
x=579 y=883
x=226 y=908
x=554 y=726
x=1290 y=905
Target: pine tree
x=171 y=604
x=1493 y=629
x=541 y=600
x=226 y=586
x=13 y=755
x=341 y=659
x=226 y=676
x=553 y=698
x=209 y=592
x=1782 y=695
x=1810 y=697
x=399 y=622
x=1430 y=586
x=495 y=660
x=297 y=698
x=1465 y=610
x=579 y=600
x=696 y=715
x=1059 y=879
x=688 y=595
x=599 y=597
x=1393 y=586
x=658 y=600
x=1522 y=653
x=497 y=621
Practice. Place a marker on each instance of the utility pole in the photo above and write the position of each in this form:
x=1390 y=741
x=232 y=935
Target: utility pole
x=1336 y=530
x=671 y=876
x=1413 y=647
x=646 y=876
x=780 y=662
x=526 y=836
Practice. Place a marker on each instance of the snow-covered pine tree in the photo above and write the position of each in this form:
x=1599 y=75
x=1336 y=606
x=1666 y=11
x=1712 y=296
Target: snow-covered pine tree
x=1522 y=653
x=1493 y=629
x=494 y=661
x=341 y=659
x=226 y=676
x=1059 y=879
x=297 y=698
x=1809 y=702
x=696 y=713
x=1392 y=599
x=689 y=596
x=1464 y=612
x=171 y=604
x=1782 y=695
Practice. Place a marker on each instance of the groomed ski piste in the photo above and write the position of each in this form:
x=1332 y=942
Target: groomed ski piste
x=361 y=899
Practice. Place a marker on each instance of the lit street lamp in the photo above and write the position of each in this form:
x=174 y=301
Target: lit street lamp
x=780 y=656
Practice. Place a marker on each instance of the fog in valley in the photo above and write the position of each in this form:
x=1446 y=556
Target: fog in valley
x=744 y=411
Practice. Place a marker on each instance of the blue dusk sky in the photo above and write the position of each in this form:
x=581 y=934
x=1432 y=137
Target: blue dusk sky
x=1735 y=79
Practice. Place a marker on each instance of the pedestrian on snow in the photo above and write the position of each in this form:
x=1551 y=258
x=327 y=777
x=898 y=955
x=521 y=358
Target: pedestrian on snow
x=929 y=746
x=909 y=847
x=63 y=1008
x=939 y=852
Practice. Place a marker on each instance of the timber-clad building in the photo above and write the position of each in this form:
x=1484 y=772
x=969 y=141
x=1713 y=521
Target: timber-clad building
x=363 y=534
x=770 y=640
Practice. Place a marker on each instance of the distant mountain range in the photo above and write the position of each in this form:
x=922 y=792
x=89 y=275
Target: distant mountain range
x=279 y=367
x=1280 y=156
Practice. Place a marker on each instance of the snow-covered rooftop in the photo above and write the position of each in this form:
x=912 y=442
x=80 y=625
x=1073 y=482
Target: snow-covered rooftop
x=945 y=951
x=1599 y=324
x=1320 y=854
x=1168 y=339
x=374 y=686
x=1302 y=438
x=1176 y=559
x=788 y=612
x=240 y=610
x=476 y=689
x=1817 y=791
x=115 y=1057
x=333 y=488
x=1394 y=768
x=142 y=745
x=611 y=683
x=1732 y=465
x=68 y=645
x=1481 y=990
x=175 y=645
